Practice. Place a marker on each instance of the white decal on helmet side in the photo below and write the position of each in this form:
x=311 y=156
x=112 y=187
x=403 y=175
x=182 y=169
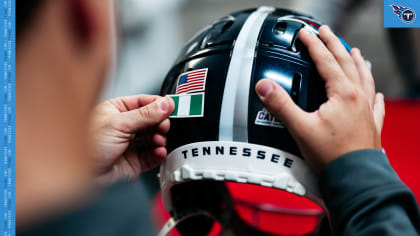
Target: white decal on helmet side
x=265 y=118
x=234 y=111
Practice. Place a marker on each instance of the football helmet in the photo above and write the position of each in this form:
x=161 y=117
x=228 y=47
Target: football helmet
x=220 y=131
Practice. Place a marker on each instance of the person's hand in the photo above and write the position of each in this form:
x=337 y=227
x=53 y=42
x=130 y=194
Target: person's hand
x=350 y=120
x=129 y=136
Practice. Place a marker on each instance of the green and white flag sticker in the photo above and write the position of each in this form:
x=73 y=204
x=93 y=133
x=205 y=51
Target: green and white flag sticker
x=188 y=105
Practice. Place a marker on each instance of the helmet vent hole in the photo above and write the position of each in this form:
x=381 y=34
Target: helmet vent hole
x=226 y=26
x=280 y=28
x=297 y=80
x=298 y=44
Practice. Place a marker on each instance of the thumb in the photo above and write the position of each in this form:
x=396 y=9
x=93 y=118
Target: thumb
x=147 y=116
x=280 y=104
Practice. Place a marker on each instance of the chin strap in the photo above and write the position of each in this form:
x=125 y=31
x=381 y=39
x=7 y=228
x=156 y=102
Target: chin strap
x=172 y=222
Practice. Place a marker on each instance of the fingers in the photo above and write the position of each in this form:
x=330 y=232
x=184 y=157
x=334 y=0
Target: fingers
x=152 y=158
x=135 y=164
x=164 y=126
x=146 y=137
x=151 y=140
x=325 y=62
x=366 y=78
x=339 y=52
x=146 y=117
x=156 y=137
x=129 y=103
x=379 y=111
x=147 y=160
x=280 y=104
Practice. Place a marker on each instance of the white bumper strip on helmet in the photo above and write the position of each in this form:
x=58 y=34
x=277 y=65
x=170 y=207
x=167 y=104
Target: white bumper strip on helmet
x=234 y=113
x=238 y=162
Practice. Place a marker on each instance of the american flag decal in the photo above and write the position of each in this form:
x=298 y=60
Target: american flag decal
x=192 y=81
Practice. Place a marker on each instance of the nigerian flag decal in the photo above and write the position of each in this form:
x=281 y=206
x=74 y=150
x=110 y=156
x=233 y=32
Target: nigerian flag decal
x=188 y=105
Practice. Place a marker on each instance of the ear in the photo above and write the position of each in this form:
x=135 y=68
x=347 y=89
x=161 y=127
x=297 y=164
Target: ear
x=88 y=19
x=81 y=21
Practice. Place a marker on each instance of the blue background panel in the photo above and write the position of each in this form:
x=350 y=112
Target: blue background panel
x=7 y=117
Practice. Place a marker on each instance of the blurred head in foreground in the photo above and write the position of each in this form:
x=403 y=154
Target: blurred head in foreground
x=62 y=58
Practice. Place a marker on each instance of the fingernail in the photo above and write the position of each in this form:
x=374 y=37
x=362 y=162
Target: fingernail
x=307 y=32
x=304 y=31
x=163 y=104
x=356 y=50
x=265 y=88
x=369 y=64
x=327 y=28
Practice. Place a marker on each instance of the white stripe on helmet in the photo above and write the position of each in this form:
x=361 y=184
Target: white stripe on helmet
x=234 y=113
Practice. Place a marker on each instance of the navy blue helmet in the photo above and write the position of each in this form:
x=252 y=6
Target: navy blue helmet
x=220 y=131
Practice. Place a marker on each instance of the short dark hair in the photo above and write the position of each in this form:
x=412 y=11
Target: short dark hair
x=25 y=12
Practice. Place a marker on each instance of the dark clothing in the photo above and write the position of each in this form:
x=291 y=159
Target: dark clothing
x=123 y=210
x=365 y=196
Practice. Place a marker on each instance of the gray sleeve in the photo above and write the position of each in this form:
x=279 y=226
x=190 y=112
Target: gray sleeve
x=365 y=196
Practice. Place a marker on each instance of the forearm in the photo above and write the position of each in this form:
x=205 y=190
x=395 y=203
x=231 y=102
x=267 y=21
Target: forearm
x=365 y=197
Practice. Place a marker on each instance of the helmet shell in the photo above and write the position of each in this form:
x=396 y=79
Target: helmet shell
x=272 y=51
x=279 y=56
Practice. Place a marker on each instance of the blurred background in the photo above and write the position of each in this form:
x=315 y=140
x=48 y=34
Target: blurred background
x=153 y=32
